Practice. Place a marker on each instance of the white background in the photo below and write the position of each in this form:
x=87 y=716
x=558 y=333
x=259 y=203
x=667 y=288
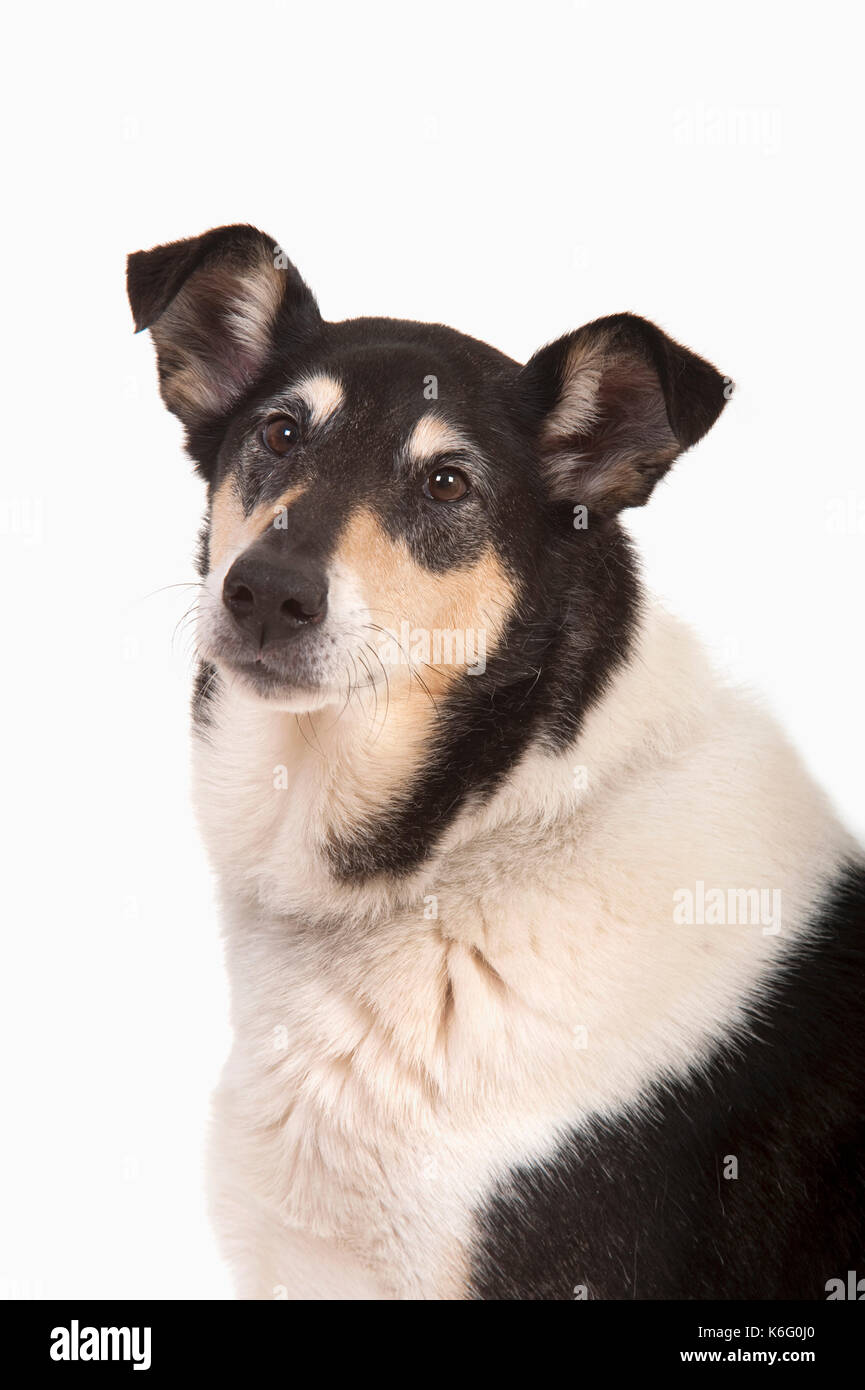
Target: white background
x=514 y=170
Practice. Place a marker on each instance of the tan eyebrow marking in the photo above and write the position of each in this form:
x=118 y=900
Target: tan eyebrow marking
x=432 y=436
x=322 y=395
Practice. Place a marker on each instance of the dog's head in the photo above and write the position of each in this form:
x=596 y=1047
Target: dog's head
x=394 y=499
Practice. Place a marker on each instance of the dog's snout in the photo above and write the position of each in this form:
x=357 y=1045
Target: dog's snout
x=270 y=601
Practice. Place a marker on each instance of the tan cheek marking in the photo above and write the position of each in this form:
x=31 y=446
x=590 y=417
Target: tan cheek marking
x=231 y=531
x=397 y=589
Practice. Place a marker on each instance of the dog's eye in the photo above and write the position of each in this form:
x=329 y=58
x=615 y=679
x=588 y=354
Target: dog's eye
x=446 y=485
x=280 y=435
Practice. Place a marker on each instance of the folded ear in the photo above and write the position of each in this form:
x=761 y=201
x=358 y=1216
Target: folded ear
x=213 y=305
x=614 y=404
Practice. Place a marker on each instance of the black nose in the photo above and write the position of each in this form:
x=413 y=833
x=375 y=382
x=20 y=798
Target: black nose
x=270 y=601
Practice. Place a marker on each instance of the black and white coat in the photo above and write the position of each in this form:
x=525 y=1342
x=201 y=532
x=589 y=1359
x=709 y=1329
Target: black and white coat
x=546 y=978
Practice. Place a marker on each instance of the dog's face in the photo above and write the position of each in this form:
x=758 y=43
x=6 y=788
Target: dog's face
x=351 y=516
x=392 y=501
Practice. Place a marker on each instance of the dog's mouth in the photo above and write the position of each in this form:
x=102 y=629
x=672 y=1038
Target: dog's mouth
x=269 y=680
x=299 y=690
x=286 y=672
x=259 y=673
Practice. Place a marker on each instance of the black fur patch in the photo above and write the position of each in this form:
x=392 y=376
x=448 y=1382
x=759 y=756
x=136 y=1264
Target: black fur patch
x=639 y=1207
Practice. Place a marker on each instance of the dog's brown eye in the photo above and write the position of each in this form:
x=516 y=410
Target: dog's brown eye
x=446 y=485
x=280 y=435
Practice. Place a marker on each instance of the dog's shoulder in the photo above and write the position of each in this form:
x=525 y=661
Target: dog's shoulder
x=740 y=1180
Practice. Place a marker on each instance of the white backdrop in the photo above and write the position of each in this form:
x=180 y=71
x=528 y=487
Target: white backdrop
x=514 y=170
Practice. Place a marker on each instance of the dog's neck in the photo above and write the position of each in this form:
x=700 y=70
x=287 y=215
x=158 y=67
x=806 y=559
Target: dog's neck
x=360 y=803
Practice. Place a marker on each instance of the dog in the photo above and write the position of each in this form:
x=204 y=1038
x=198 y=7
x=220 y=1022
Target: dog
x=546 y=954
